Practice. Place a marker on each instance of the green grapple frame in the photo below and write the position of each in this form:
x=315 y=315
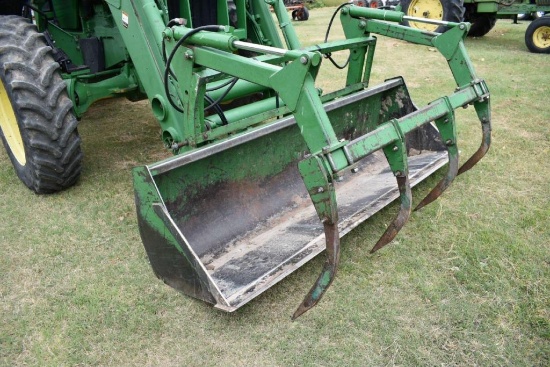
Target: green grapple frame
x=268 y=171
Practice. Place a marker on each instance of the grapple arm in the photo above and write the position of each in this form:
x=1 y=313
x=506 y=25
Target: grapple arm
x=450 y=44
x=390 y=136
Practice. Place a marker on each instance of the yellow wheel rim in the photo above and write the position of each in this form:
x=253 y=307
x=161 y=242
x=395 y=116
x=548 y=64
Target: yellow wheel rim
x=429 y=9
x=10 y=128
x=541 y=37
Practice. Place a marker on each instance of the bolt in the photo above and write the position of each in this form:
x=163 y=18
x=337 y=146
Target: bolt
x=304 y=60
x=362 y=24
x=340 y=178
x=395 y=148
x=449 y=142
x=188 y=55
x=354 y=170
x=461 y=26
x=446 y=121
x=397 y=173
x=320 y=190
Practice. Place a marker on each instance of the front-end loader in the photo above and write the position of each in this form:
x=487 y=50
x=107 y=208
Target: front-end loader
x=268 y=171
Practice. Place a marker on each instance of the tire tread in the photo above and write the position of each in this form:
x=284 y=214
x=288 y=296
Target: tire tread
x=43 y=109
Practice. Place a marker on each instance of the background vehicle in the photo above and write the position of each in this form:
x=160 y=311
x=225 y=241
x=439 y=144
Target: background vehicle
x=377 y=4
x=298 y=9
x=483 y=14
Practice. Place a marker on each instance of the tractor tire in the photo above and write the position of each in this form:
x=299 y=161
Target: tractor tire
x=37 y=124
x=482 y=23
x=301 y=14
x=447 y=10
x=375 y=4
x=11 y=7
x=537 y=35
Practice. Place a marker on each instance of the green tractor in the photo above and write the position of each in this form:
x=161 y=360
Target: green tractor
x=483 y=14
x=267 y=170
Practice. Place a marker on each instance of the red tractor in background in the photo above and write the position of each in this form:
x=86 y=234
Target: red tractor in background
x=299 y=10
x=380 y=4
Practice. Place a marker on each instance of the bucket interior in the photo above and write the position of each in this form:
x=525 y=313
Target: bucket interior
x=242 y=215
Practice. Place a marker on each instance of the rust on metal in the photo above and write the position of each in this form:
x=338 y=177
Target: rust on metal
x=444 y=183
x=327 y=274
x=403 y=215
x=482 y=150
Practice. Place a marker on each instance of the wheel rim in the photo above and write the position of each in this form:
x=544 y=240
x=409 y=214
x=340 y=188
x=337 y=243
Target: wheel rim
x=10 y=128
x=429 y=9
x=541 y=37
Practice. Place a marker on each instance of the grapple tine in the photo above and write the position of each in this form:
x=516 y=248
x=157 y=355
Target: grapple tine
x=447 y=130
x=398 y=161
x=327 y=274
x=444 y=183
x=401 y=218
x=484 y=147
x=323 y=196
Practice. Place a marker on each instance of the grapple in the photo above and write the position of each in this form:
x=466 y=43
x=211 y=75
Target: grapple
x=271 y=183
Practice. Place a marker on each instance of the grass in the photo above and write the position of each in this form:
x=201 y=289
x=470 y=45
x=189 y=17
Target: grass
x=465 y=283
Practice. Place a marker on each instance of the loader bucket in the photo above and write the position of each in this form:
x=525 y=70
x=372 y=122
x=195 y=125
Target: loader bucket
x=225 y=222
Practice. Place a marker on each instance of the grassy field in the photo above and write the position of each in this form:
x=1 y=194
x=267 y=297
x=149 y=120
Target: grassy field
x=466 y=283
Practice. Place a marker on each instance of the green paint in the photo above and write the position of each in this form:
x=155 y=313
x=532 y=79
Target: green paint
x=324 y=282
